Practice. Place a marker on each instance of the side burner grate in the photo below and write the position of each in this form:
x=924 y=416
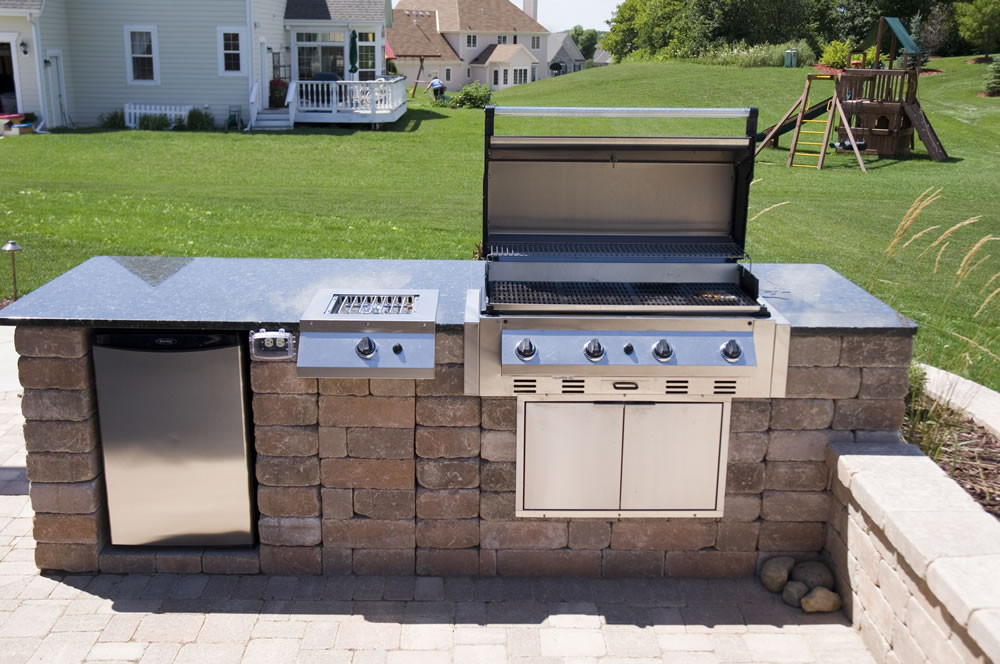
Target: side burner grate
x=373 y=305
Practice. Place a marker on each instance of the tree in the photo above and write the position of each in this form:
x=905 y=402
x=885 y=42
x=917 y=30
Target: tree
x=585 y=40
x=979 y=22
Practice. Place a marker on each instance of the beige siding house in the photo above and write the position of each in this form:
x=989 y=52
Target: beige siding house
x=487 y=36
x=218 y=56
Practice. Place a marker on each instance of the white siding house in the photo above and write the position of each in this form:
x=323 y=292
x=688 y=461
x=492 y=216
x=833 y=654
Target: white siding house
x=89 y=58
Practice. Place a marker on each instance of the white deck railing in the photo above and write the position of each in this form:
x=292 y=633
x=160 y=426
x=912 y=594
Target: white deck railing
x=254 y=105
x=362 y=97
x=173 y=111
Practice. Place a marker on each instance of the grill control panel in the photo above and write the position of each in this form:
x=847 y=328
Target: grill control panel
x=570 y=348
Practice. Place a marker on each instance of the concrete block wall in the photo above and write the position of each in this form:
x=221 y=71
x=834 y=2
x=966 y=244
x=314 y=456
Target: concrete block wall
x=403 y=477
x=916 y=559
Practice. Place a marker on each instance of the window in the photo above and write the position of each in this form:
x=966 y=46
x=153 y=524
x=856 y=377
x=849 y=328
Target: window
x=471 y=41
x=534 y=73
x=447 y=73
x=501 y=39
x=231 y=58
x=142 y=65
x=506 y=77
x=468 y=73
x=366 y=56
x=536 y=43
x=496 y=77
x=329 y=37
x=515 y=39
x=520 y=76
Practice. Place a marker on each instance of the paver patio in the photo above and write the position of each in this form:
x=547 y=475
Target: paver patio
x=181 y=619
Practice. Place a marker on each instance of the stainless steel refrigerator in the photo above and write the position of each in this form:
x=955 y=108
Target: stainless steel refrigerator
x=174 y=431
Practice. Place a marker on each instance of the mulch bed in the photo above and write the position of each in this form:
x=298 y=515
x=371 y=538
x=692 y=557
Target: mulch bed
x=973 y=462
x=982 y=60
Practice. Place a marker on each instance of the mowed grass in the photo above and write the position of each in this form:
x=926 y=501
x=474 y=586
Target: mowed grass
x=414 y=190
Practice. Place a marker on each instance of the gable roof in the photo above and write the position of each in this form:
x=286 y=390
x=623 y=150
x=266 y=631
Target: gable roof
x=501 y=53
x=600 y=55
x=25 y=5
x=414 y=34
x=560 y=40
x=486 y=15
x=335 y=10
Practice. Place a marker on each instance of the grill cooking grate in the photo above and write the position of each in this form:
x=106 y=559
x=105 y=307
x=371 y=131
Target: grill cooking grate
x=563 y=294
x=611 y=250
x=373 y=305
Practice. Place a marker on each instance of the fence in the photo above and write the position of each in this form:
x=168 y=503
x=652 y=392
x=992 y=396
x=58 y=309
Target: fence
x=173 y=111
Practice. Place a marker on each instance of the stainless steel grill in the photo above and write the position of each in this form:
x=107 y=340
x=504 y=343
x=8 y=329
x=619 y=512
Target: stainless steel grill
x=616 y=311
x=622 y=297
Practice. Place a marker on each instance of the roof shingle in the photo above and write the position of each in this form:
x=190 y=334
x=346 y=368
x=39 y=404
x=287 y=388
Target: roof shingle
x=335 y=10
x=26 y=5
x=485 y=15
x=500 y=53
x=414 y=35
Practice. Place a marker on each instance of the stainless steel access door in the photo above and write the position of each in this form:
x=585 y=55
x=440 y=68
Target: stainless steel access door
x=572 y=456
x=173 y=429
x=671 y=456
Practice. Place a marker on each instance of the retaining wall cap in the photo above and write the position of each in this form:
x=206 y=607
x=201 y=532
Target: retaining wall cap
x=978 y=402
x=965 y=585
x=922 y=537
x=881 y=494
x=984 y=627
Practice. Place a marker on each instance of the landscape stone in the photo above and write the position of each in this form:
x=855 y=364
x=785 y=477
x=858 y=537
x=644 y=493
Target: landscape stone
x=813 y=574
x=820 y=600
x=794 y=592
x=774 y=572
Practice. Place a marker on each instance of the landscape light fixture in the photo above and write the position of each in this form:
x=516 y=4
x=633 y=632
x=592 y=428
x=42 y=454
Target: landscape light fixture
x=24 y=47
x=12 y=248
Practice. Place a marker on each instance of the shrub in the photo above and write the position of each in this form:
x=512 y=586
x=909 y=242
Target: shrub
x=759 y=55
x=277 y=91
x=836 y=54
x=992 y=79
x=198 y=120
x=154 y=122
x=112 y=120
x=473 y=95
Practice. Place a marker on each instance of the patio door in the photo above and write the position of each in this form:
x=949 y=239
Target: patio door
x=321 y=63
x=10 y=93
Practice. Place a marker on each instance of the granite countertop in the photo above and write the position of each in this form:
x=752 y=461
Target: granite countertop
x=247 y=293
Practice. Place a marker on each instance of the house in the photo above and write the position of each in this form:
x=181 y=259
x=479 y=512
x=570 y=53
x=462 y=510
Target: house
x=564 y=56
x=602 y=58
x=421 y=51
x=71 y=62
x=493 y=42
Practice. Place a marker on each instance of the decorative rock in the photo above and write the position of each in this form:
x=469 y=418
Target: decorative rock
x=774 y=572
x=794 y=592
x=813 y=574
x=820 y=600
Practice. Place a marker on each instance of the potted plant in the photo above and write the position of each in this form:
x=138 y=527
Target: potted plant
x=277 y=92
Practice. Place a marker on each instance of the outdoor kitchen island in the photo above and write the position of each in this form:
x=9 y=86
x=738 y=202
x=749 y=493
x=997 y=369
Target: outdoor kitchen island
x=402 y=476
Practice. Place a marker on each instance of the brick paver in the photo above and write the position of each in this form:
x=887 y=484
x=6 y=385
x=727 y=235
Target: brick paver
x=178 y=619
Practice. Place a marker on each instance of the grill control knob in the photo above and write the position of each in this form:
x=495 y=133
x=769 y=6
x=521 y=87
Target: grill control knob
x=594 y=350
x=628 y=349
x=365 y=348
x=663 y=351
x=397 y=348
x=731 y=351
x=525 y=350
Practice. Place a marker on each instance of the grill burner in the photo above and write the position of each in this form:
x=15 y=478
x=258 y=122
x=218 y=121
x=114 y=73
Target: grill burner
x=621 y=296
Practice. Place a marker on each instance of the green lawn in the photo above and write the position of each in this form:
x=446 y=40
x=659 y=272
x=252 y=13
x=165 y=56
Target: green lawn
x=415 y=191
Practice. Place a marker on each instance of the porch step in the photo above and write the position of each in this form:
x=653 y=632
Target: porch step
x=273 y=119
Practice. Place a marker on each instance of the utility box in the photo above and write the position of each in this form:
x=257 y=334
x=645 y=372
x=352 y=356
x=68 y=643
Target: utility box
x=792 y=57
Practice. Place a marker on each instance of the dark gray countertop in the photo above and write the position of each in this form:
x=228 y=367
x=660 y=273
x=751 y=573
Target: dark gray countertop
x=245 y=293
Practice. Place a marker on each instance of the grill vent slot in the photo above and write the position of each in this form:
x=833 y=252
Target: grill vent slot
x=677 y=387
x=573 y=386
x=525 y=386
x=373 y=305
x=725 y=387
